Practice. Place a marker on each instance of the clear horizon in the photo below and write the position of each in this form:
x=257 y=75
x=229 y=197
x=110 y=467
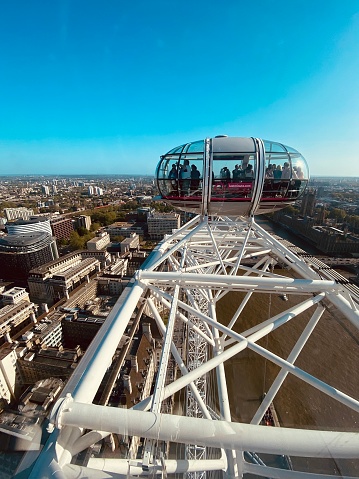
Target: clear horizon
x=108 y=88
x=98 y=175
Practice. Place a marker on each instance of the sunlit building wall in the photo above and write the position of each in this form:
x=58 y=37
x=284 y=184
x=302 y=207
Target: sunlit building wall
x=31 y=225
x=14 y=213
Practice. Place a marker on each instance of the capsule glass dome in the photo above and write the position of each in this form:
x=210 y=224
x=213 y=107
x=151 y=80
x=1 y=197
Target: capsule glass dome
x=232 y=176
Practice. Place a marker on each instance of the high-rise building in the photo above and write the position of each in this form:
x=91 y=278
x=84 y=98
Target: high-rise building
x=321 y=215
x=62 y=227
x=95 y=190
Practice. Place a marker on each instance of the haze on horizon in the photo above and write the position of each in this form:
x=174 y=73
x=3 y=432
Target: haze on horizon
x=106 y=88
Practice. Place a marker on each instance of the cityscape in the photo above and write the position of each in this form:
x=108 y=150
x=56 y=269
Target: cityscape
x=69 y=249
x=189 y=311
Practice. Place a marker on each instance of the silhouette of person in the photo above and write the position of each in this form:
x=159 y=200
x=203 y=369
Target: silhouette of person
x=185 y=177
x=195 y=175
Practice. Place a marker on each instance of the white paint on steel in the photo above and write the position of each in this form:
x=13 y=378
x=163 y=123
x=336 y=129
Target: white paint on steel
x=187 y=274
x=228 y=435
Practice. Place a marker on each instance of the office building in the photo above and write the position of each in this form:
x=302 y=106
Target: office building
x=103 y=256
x=130 y=244
x=10 y=379
x=31 y=225
x=15 y=295
x=160 y=224
x=46 y=363
x=80 y=330
x=111 y=286
x=21 y=429
x=14 y=213
x=124 y=229
x=21 y=253
x=99 y=242
x=14 y=317
x=55 y=280
x=62 y=227
x=83 y=221
x=143 y=212
x=48 y=332
x=137 y=377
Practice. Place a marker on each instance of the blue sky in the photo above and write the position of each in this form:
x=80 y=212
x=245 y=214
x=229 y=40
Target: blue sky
x=107 y=86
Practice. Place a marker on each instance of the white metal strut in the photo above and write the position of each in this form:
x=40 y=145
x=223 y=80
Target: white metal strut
x=256 y=315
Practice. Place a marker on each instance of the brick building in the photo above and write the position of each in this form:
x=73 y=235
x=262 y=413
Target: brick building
x=62 y=228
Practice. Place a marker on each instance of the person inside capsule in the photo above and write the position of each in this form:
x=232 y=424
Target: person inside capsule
x=238 y=169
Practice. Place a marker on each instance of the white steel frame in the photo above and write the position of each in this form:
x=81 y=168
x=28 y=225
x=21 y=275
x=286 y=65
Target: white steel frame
x=187 y=274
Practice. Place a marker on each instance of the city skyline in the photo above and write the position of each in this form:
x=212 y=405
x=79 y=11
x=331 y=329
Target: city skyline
x=108 y=89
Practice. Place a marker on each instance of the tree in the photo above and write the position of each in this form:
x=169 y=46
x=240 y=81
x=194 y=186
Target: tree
x=104 y=218
x=76 y=241
x=118 y=239
x=82 y=231
x=63 y=242
x=290 y=210
x=7 y=204
x=337 y=214
x=95 y=226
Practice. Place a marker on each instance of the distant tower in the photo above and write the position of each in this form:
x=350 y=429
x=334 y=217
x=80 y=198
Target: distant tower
x=308 y=203
x=321 y=216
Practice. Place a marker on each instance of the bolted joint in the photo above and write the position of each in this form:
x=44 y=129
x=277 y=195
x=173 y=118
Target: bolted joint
x=63 y=404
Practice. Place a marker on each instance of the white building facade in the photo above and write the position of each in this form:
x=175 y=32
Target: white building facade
x=99 y=242
x=14 y=213
x=160 y=224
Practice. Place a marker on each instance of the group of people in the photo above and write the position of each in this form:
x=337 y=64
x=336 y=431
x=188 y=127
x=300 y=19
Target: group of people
x=238 y=173
x=189 y=177
x=185 y=178
x=277 y=172
x=274 y=184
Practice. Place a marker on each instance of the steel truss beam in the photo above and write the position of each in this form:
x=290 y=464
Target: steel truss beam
x=191 y=277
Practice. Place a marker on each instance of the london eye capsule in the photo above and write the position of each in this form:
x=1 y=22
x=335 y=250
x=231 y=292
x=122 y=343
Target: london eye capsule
x=231 y=176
